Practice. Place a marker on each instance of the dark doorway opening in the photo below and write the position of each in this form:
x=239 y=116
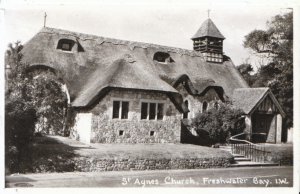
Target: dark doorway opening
x=261 y=126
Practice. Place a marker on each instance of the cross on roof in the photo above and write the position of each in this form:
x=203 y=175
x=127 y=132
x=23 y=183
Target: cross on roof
x=208 y=13
x=45 y=16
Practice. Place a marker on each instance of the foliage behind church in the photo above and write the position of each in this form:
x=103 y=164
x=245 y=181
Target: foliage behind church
x=276 y=44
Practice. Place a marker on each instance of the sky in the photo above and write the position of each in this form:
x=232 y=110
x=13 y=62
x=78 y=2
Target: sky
x=164 y=22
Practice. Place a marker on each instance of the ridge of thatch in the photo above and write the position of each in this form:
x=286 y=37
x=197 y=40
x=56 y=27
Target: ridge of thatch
x=131 y=44
x=248 y=99
x=208 y=28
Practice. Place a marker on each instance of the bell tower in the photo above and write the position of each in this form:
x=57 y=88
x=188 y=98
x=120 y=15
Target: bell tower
x=209 y=41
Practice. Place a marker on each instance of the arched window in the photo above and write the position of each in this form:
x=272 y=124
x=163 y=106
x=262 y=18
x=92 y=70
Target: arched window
x=216 y=105
x=185 y=115
x=204 y=106
x=162 y=57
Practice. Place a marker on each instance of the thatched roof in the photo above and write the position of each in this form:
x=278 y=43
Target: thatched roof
x=248 y=99
x=208 y=28
x=199 y=86
x=122 y=73
x=97 y=63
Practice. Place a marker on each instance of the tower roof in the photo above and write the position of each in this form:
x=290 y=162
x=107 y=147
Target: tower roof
x=208 y=28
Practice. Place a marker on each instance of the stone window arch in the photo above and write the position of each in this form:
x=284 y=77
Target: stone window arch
x=204 y=106
x=186 y=115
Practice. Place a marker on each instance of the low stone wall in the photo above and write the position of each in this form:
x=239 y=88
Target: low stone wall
x=98 y=165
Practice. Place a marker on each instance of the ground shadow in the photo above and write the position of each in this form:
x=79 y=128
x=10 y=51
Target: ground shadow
x=47 y=154
x=187 y=137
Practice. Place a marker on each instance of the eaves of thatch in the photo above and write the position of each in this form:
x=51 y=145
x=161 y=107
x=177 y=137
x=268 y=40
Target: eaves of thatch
x=197 y=87
x=104 y=63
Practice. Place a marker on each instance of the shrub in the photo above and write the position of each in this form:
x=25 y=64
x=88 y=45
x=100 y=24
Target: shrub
x=50 y=103
x=219 y=124
x=20 y=121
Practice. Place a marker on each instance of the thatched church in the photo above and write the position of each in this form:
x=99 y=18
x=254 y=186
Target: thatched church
x=132 y=92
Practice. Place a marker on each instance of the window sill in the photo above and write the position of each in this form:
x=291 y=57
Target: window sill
x=154 y=120
x=69 y=52
x=164 y=63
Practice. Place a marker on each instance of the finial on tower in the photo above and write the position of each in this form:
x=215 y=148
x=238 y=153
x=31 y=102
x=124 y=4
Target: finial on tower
x=45 y=17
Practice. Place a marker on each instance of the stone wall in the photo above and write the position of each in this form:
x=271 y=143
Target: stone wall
x=105 y=129
x=290 y=135
x=278 y=128
x=94 y=165
x=271 y=138
x=248 y=128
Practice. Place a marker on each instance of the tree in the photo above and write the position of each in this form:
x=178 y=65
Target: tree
x=245 y=69
x=42 y=89
x=20 y=114
x=29 y=98
x=276 y=44
x=219 y=123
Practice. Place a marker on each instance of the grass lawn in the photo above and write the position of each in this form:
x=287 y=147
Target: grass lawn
x=279 y=148
x=57 y=154
x=135 y=151
x=281 y=153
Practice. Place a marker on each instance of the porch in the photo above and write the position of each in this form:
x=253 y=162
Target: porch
x=263 y=115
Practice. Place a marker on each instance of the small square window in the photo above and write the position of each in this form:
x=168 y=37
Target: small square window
x=152 y=133
x=66 y=47
x=65 y=44
x=121 y=132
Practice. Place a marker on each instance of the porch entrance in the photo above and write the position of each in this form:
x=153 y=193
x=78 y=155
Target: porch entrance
x=263 y=127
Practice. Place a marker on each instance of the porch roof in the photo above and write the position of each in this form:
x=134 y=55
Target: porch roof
x=248 y=99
